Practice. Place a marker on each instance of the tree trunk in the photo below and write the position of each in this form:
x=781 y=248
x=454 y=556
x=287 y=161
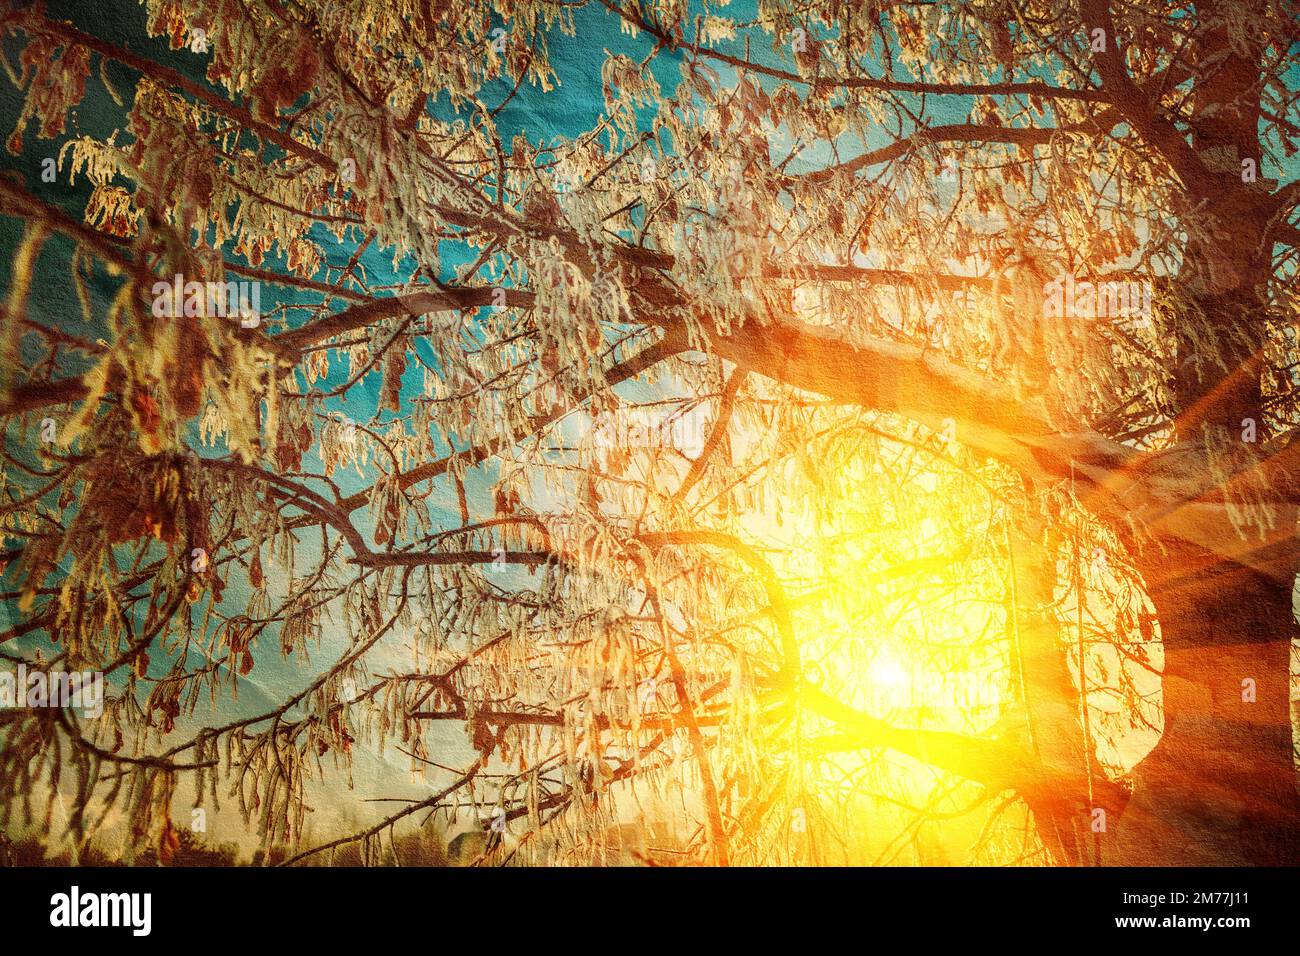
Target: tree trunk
x=1072 y=787
x=1219 y=789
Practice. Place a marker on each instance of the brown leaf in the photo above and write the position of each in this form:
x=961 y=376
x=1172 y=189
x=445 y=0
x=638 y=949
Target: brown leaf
x=255 y=577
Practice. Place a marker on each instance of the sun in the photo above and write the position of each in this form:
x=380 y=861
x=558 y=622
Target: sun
x=899 y=597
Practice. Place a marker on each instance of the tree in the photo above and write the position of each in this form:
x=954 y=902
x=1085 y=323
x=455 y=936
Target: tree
x=702 y=446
